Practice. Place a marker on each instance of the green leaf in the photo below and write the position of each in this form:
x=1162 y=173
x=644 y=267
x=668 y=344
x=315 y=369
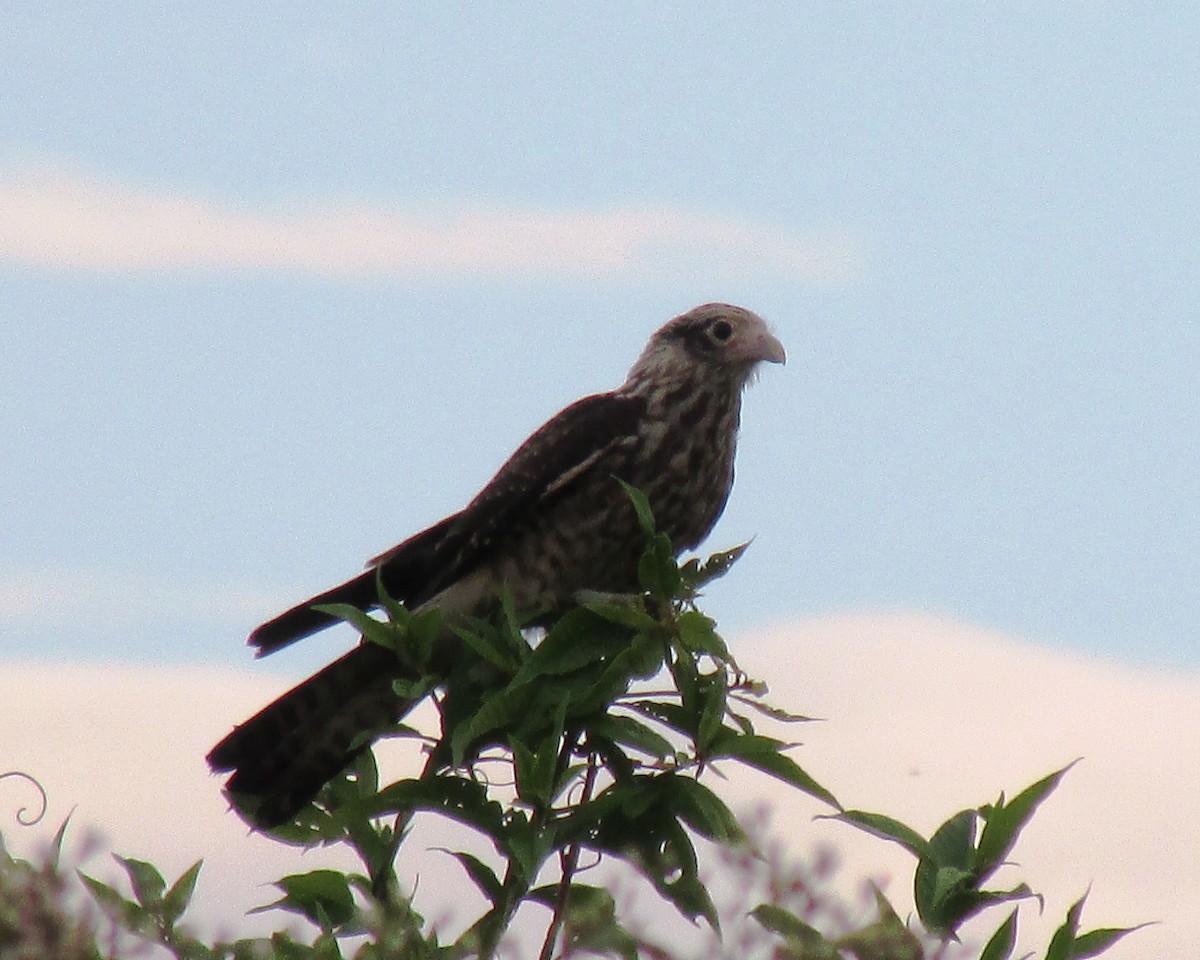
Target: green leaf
x=626 y=615
x=804 y=941
x=452 y=796
x=1063 y=940
x=887 y=937
x=1003 y=822
x=711 y=692
x=716 y=566
x=56 y=844
x=953 y=843
x=765 y=753
x=581 y=637
x=590 y=924
x=481 y=875
x=130 y=915
x=658 y=571
x=323 y=896
x=641 y=506
x=376 y=631
x=148 y=883
x=687 y=681
x=1095 y=942
x=498 y=712
x=487 y=643
x=703 y=810
x=621 y=728
x=767 y=710
x=1068 y=944
x=698 y=634
x=176 y=900
x=887 y=828
x=536 y=768
x=1000 y=945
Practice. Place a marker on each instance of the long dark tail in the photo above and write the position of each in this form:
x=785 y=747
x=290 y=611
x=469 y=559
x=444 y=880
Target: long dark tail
x=287 y=751
x=410 y=572
x=302 y=619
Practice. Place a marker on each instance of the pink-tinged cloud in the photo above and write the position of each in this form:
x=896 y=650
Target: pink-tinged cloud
x=86 y=223
x=922 y=717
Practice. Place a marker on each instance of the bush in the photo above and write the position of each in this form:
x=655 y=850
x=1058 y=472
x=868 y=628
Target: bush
x=590 y=743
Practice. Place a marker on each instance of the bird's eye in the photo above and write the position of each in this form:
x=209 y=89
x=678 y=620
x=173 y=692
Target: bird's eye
x=721 y=331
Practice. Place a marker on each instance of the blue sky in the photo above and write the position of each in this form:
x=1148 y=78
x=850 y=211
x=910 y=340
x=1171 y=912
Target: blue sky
x=283 y=285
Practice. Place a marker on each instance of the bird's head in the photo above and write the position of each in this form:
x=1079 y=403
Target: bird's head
x=715 y=340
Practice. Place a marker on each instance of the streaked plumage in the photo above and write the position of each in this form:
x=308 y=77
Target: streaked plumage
x=552 y=522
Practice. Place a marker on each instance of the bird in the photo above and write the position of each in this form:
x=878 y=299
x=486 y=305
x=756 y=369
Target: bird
x=552 y=524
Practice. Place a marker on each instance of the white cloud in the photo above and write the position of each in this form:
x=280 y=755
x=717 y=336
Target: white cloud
x=47 y=599
x=77 y=222
x=924 y=717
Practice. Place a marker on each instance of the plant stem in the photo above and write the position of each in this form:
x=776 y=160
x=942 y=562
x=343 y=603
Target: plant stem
x=569 y=859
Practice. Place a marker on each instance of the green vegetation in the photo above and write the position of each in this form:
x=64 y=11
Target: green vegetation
x=596 y=743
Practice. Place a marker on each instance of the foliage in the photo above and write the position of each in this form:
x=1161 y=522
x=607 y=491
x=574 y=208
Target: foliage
x=588 y=745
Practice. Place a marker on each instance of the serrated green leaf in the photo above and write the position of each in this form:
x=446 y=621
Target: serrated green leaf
x=698 y=634
x=621 y=728
x=666 y=857
x=765 y=753
x=526 y=846
x=718 y=564
x=397 y=612
x=1004 y=822
x=1001 y=944
x=767 y=710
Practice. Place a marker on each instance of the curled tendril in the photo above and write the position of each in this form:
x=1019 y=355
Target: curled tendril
x=23 y=817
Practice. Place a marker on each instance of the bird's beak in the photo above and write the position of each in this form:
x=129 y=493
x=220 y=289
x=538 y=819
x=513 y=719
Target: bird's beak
x=772 y=349
x=765 y=346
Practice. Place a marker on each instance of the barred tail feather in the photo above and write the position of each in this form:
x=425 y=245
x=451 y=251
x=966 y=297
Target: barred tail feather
x=286 y=752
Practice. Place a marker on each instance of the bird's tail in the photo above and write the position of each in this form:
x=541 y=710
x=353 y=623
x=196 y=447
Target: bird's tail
x=287 y=751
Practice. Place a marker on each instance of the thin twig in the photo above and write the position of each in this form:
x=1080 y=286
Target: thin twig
x=569 y=859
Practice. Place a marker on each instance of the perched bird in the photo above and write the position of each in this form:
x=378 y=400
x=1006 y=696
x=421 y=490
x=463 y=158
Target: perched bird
x=553 y=521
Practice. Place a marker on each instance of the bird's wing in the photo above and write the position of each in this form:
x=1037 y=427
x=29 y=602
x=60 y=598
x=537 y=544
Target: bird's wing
x=545 y=467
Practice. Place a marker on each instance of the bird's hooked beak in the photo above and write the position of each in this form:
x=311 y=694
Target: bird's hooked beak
x=770 y=349
x=761 y=345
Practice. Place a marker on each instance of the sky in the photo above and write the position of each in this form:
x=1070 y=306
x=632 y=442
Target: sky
x=282 y=285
